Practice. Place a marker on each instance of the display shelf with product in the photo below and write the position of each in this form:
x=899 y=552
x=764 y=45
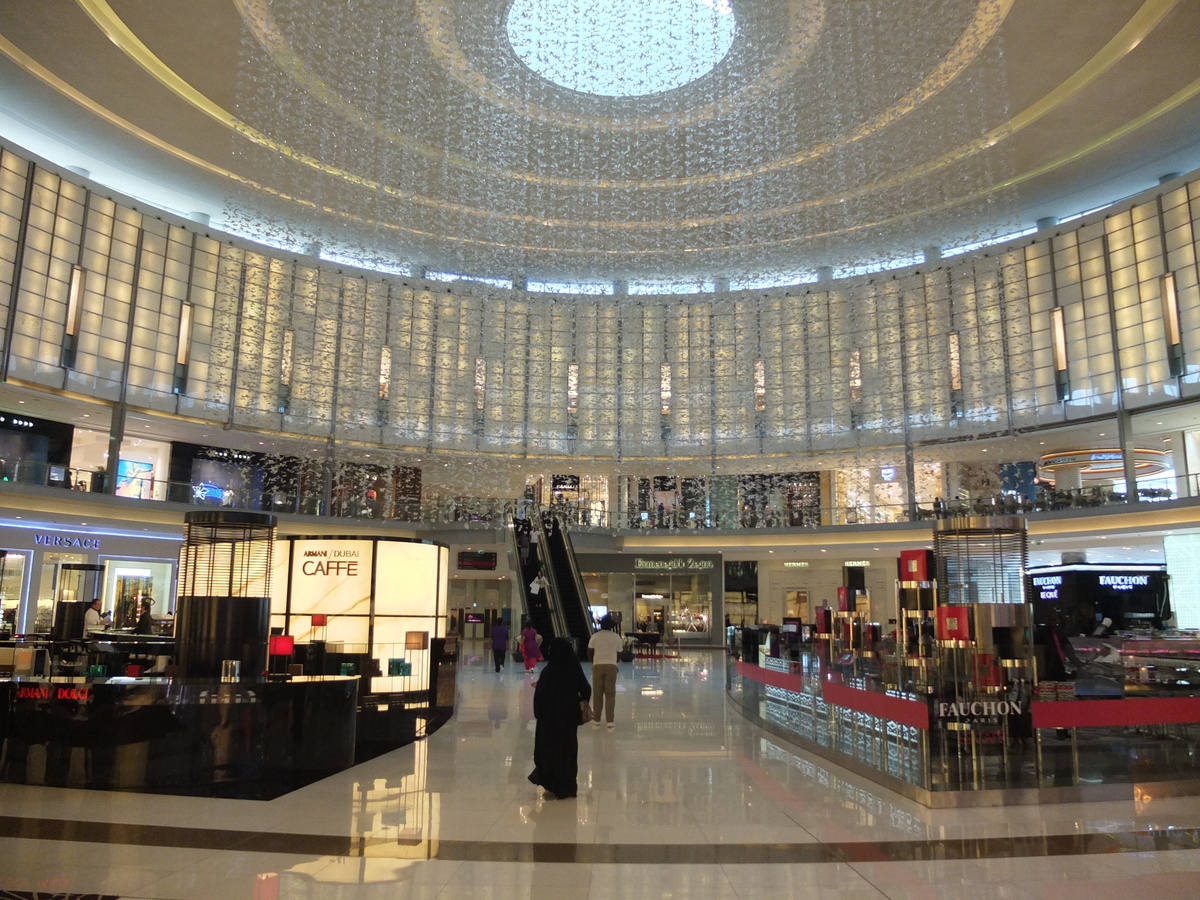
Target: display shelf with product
x=965 y=703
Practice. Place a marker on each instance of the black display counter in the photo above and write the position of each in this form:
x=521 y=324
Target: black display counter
x=114 y=651
x=252 y=739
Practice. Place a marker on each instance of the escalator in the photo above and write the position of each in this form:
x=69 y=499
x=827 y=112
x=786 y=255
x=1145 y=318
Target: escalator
x=537 y=606
x=567 y=592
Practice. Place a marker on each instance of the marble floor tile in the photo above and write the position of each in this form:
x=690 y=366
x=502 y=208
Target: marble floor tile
x=684 y=799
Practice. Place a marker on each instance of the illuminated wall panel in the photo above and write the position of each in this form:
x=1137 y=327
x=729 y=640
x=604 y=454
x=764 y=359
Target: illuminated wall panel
x=162 y=292
x=752 y=371
x=786 y=379
x=204 y=376
x=725 y=396
x=677 y=344
x=416 y=593
x=1182 y=555
x=516 y=386
x=331 y=576
x=13 y=172
x=818 y=359
x=376 y=593
x=892 y=364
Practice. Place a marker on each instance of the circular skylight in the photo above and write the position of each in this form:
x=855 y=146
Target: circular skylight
x=621 y=48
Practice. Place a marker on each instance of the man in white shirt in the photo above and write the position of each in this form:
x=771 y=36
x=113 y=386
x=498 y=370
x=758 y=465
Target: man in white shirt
x=603 y=648
x=92 y=619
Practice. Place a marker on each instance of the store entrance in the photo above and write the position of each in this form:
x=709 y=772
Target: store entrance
x=650 y=613
x=796 y=603
x=65 y=578
x=672 y=605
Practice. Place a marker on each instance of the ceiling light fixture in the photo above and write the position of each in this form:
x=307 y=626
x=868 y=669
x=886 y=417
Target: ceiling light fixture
x=620 y=49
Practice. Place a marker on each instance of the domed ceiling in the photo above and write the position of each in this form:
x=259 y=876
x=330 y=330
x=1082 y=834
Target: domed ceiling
x=610 y=139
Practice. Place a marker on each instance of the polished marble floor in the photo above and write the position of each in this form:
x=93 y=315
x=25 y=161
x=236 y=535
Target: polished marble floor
x=683 y=799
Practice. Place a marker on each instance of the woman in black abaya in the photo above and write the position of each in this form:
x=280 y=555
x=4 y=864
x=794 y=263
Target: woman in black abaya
x=561 y=688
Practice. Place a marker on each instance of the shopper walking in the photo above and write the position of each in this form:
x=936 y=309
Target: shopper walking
x=558 y=700
x=530 y=648
x=603 y=647
x=499 y=643
x=524 y=538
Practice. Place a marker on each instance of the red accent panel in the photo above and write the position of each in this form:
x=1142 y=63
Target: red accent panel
x=1119 y=713
x=843 y=599
x=954 y=623
x=281 y=645
x=897 y=709
x=916 y=565
x=780 y=680
x=907 y=712
x=266 y=886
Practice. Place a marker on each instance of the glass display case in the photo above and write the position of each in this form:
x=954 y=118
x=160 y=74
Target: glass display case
x=966 y=720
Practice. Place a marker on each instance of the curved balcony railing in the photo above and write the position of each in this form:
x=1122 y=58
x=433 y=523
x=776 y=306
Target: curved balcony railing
x=496 y=513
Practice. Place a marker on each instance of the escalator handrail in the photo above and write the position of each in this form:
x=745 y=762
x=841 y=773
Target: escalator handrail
x=528 y=612
x=554 y=596
x=577 y=578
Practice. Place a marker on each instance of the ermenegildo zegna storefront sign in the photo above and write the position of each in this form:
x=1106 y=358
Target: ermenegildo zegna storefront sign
x=690 y=564
x=673 y=564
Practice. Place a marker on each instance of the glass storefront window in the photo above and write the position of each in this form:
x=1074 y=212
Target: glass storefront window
x=673 y=605
x=58 y=583
x=141 y=470
x=129 y=584
x=12 y=577
x=797 y=605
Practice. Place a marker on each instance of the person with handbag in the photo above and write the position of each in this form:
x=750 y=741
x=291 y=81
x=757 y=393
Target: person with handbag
x=560 y=706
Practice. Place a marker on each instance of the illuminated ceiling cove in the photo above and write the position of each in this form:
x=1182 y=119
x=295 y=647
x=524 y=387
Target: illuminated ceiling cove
x=620 y=49
x=575 y=140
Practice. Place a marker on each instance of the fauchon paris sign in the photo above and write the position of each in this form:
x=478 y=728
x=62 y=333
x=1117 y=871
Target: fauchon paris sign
x=979 y=710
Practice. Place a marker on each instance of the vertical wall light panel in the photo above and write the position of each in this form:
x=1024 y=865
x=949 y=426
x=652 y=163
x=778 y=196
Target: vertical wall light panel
x=51 y=248
x=887 y=373
x=13 y=173
x=356 y=383
x=261 y=287
x=540 y=387
x=766 y=397
x=1106 y=281
x=203 y=264
x=696 y=424
x=791 y=371
x=818 y=357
